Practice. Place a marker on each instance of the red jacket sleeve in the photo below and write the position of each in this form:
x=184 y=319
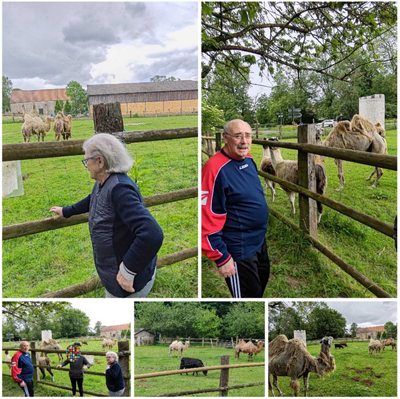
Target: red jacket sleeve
x=213 y=210
x=15 y=370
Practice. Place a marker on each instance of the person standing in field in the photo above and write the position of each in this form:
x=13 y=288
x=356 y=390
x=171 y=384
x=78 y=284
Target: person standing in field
x=235 y=214
x=22 y=369
x=114 y=378
x=125 y=236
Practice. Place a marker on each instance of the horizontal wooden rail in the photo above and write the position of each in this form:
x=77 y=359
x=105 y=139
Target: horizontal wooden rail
x=94 y=283
x=14 y=152
x=220 y=367
x=53 y=223
x=366 y=158
x=366 y=220
x=228 y=388
x=361 y=278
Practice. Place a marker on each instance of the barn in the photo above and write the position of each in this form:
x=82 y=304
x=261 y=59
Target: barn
x=144 y=337
x=114 y=331
x=148 y=98
x=44 y=101
x=369 y=332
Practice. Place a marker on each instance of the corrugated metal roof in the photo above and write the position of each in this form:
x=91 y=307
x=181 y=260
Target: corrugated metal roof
x=145 y=87
x=27 y=96
x=119 y=327
x=371 y=329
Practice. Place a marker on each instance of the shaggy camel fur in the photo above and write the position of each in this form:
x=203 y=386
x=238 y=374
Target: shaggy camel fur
x=67 y=127
x=35 y=125
x=178 y=346
x=58 y=126
x=360 y=135
x=107 y=343
x=389 y=342
x=249 y=348
x=290 y=358
x=267 y=167
x=44 y=364
x=51 y=344
x=374 y=346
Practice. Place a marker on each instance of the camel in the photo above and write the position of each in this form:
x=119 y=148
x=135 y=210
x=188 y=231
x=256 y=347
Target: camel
x=290 y=358
x=107 y=343
x=361 y=135
x=267 y=167
x=44 y=363
x=389 y=342
x=249 y=348
x=51 y=344
x=178 y=346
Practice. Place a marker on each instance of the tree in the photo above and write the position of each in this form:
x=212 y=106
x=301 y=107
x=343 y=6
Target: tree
x=7 y=89
x=78 y=98
x=325 y=322
x=207 y=323
x=296 y=35
x=72 y=323
x=67 y=108
x=390 y=330
x=163 y=78
x=353 y=330
x=58 y=107
x=212 y=118
x=97 y=328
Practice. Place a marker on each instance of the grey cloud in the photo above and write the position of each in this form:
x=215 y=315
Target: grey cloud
x=89 y=32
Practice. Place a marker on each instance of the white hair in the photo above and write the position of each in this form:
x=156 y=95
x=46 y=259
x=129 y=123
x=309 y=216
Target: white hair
x=112 y=354
x=228 y=125
x=114 y=152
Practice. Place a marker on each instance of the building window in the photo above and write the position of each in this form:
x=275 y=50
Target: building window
x=40 y=111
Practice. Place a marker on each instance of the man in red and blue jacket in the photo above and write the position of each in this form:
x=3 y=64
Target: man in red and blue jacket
x=235 y=214
x=22 y=369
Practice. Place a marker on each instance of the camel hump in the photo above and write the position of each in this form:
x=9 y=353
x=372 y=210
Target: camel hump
x=362 y=126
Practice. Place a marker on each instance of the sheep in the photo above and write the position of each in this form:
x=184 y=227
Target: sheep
x=290 y=358
x=189 y=363
x=249 y=348
x=267 y=167
x=44 y=363
x=58 y=126
x=107 y=343
x=51 y=344
x=178 y=346
x=288 y=170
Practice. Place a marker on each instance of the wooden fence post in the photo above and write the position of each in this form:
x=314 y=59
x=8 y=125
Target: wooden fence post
x=107 y=118
x=34 y=362
x=308 y=207
x=218 y=141
x=224 y=377
x=123 y=348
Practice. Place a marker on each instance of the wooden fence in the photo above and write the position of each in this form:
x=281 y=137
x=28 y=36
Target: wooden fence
x=307 y=196
x=124 y=362
x=12 y=152
x=223 y=388
x=211 y=341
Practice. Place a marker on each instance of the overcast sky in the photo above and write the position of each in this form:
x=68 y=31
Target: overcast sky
x=108 y=311
x=365 y=314
x=47 y=45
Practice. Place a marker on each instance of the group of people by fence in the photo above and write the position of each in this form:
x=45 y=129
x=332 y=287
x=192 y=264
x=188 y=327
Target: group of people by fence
x=22 y=370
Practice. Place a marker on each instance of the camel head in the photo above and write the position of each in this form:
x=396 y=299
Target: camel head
x=325 y=364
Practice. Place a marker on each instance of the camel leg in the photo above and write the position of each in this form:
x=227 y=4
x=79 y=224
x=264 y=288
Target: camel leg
x=339 y=164
x=270 y=185
x=270 y=386
x=292 y=198
x=305 y=380
x=295 y=385
x=42 y=372
x=50 y=372
x=275 y=384
x=370 y=176
x=379 y=173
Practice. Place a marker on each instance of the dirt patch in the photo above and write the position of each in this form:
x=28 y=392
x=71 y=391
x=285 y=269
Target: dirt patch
x=367 y=382
x=356 y=379
x=294 y=282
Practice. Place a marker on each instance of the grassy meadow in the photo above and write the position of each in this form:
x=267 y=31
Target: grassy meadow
x=150 y=359
x=44 y=262
x=300 y=271
x=91 y=383
x=357 y=374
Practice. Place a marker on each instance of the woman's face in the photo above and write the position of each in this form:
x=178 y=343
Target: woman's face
x=110 y=359
x=94 y=165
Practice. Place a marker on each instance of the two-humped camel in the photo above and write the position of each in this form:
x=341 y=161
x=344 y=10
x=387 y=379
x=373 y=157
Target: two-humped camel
x=178 y=346
x=249 y=348
x=290 y=358
x=361 y=135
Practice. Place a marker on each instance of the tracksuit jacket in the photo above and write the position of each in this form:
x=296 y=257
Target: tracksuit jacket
x=121 y=229
x=21 y=367
x=234 y=209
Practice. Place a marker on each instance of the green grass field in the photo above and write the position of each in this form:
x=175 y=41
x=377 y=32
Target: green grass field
x=52 y=260
x=150 y=359
x=357 y=374
x=90 y=383
x=297 y=269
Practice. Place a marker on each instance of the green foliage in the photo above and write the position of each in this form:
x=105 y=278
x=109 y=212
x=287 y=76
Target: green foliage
x=97 y=327
x=78 y=97
x=163 y=78
x=7 y=89
x=58 y=107
x=326 y=322
x=67 y=108
x=212 y=118
x=391 y=330
x=72 y=323
x=353 y=329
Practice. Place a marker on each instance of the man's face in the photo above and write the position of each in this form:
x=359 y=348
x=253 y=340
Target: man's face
x=24 y=347
x=238 y=140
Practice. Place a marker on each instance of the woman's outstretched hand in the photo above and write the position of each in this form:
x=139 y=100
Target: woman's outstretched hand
x=57 y=210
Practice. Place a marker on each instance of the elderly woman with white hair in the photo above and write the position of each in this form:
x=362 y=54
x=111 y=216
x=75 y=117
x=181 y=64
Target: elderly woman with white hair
x=114 y=378
x=125 y=236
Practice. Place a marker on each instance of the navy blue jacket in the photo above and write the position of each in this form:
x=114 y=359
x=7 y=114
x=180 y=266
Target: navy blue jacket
x=114 y=378
x=234 y=209
x=22 y=367
x=121 y=229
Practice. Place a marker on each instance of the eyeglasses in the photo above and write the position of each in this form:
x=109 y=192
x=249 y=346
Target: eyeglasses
x=238 y=136
x=85 y=161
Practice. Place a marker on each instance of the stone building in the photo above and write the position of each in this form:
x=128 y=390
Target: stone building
x=114 y=331
x=369 y=332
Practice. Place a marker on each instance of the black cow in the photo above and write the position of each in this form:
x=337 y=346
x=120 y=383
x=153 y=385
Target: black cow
x=339 y=346
x=189 y=363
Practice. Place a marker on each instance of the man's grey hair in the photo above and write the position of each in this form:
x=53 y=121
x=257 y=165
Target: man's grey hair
x=228 y=125
x=113 y=354
x=113 y=151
